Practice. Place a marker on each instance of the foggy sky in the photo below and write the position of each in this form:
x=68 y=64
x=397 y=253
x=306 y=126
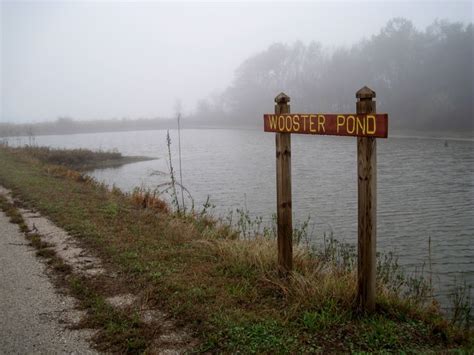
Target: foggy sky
x=91 y=60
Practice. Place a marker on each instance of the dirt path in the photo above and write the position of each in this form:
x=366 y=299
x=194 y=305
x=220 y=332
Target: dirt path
x=33 y=315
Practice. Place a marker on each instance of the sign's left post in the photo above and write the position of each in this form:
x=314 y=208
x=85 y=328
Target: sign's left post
x=283 y=185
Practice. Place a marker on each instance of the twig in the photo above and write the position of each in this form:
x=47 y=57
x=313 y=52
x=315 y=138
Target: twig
x=180 y=167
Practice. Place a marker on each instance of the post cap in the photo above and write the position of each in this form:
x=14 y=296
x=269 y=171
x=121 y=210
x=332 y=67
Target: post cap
x=365 y=93
x=282 y=98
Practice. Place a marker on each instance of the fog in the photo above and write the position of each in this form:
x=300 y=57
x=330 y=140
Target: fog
x=105 y=60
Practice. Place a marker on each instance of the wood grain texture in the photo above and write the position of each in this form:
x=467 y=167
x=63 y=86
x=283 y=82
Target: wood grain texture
x=367 y=209
x=283 y=183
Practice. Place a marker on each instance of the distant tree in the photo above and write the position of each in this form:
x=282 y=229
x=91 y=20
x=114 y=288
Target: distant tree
x=422 y=78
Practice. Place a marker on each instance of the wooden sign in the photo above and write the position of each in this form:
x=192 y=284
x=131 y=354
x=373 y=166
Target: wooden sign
x=367 y=125
x=336 y=124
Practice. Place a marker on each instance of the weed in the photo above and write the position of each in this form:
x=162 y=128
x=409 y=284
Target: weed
x=37 y=242
x=300 y=233
x=462 y=306
x=246 y=226
x=148 y=199
x=379 y=334
x=330 y=315
x=171 y=188
x=14 y=215
x=259 y=337
x=119 y=332
x=174 y=194
x=46 y=252
x=206 y=208
x=60 y=266
x=180 y=161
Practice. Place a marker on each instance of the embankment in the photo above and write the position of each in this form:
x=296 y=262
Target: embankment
x=224 y=289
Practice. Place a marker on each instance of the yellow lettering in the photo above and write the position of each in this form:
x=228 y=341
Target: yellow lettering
x=350 y=119
x=273 y=122
x=372 y=118
x=321 y=121
x=281 y=123
x=288 y=120
x=340 y=120
x=361 y=124
x=311 y=123
x=304 y=122
x=296 y=123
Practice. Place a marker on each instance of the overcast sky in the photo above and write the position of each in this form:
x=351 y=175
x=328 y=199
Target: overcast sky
x=109 y=59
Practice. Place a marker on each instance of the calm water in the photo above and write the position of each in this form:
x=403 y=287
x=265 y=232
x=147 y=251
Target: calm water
x=425 y=189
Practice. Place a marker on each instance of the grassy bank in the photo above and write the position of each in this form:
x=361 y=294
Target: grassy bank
x=79 y=159
x=225 y=289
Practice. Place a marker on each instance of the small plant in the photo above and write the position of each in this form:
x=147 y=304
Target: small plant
x=259 y=337
x=300 y=233
x=179 y=156
x=206 y=208
x=174 y=195
x=146 y=198
x=379 y=333
x=389 y=272
x=171 y=187
x=328 y=316
x=462 y=306
x=246 y=225
x=333 y=252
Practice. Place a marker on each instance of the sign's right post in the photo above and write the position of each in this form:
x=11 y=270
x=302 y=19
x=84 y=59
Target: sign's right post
x=367 y=207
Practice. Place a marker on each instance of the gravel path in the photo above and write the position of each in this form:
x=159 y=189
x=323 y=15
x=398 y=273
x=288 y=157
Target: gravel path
x=33 y=316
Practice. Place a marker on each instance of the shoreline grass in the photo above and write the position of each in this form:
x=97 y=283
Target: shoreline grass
x=225 y=288
x=79 y=159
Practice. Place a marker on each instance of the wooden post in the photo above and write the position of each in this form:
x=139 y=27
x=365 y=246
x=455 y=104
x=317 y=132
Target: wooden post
x=283 y=184
x=367 y=207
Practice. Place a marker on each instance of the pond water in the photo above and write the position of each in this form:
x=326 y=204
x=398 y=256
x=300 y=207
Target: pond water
x=425 y=187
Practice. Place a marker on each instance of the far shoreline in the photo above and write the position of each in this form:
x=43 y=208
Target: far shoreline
x=117 y=163
x=466 y=135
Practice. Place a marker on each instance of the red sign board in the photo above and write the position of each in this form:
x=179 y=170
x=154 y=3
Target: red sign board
x=335 y=124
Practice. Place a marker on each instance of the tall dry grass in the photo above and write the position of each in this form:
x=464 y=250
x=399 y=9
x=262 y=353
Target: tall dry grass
x=148 y=199
x=322 y=275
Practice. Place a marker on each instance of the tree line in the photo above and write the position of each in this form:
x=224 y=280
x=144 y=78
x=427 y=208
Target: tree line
x=423 y=79
x=67 y=125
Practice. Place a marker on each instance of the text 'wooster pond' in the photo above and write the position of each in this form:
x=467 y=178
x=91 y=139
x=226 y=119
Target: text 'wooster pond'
x=371 y=125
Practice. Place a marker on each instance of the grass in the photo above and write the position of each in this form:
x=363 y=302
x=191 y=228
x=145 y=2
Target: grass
x=78 y=159
x=227 y=289
x=119 y=331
